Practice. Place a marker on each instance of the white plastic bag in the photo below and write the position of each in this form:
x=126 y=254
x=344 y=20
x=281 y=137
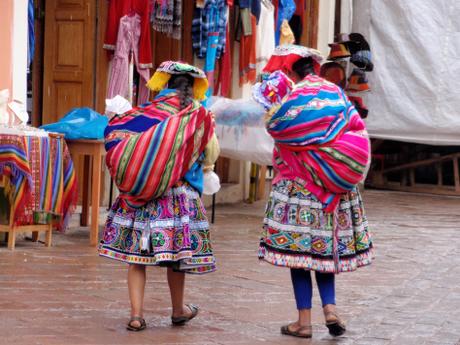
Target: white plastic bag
x=211 y=183
x=117 y=105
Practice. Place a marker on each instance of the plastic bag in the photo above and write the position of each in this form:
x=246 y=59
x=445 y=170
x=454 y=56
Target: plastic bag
x=80 y=123
x=211 y=183
x=237 y=112
x=117 y=105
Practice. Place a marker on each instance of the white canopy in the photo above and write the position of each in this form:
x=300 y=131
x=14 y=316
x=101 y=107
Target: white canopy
x=415 y=84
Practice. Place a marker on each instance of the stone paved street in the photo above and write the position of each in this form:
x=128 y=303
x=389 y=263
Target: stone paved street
x=410 y=295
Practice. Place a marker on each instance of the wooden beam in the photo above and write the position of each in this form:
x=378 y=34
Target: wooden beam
x=422 y=163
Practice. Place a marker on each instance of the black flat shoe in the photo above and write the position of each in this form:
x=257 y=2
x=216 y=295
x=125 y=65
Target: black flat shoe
x=132 y=328
x=335 y=325
x=182 y=320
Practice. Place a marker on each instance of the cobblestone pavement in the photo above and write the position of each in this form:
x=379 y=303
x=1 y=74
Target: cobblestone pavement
x=410 y=295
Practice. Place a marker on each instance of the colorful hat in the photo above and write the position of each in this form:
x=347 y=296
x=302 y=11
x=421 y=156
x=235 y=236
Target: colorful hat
x=272 y=90
x=359 y=106
x=357 y=82
x=286 y=55
x=360 y=50
x=335 y=73
x=338 y=51
x=163 y=73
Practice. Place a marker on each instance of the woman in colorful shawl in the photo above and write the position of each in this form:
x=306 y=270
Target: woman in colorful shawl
x=314 y=218
x=156 y=154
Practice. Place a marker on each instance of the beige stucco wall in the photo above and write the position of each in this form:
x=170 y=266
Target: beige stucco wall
x=6 y=35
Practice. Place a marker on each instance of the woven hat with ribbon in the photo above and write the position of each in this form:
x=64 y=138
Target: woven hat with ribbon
x=166 y=69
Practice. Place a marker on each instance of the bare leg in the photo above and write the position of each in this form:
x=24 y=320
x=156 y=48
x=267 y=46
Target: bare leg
x=136 y=287
x=304 y=317
x=329 y=308
x=176 y=282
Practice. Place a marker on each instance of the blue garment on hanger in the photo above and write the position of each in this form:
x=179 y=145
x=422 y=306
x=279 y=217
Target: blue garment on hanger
x=286 y=10
x=31 y=37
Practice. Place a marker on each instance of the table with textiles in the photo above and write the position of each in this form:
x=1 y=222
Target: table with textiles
x=39 y=184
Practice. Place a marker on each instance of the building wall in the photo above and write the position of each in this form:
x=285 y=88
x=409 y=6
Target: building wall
x=20 y=44
x=6 y=35
x=326 y=25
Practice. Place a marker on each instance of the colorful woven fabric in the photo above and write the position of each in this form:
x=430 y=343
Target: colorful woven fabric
x=41 y=179
x=320 y=140
x=298 y=233
x=172 y=230
x=150 y=148
x=166 y=17
x=273 y=89
x=15 y=172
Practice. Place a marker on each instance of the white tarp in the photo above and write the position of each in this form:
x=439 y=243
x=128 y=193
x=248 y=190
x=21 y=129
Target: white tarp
x=415 y=84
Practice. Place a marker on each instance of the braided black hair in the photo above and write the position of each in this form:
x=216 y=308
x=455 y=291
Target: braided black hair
x=183 y=83
x=303 y=67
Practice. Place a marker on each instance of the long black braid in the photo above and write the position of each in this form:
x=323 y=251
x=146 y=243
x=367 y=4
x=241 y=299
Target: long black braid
x=303 y=67
x=183 y=83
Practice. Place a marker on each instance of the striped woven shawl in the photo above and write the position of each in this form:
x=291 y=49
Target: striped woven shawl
x=150 y=148
x=320 y=140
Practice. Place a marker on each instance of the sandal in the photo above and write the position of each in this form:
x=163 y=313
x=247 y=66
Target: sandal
x=335 y=324
x=301 y=332
x=132 y=328
x=182 y=320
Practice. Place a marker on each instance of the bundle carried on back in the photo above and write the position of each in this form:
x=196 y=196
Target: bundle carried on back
x=320 y=140
x=151 y=148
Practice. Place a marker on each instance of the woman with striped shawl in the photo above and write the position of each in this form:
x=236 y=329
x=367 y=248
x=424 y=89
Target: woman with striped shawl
x=156 y=154
x=314 y=218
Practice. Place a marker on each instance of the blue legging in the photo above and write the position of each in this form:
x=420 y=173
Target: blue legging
x=303 y=290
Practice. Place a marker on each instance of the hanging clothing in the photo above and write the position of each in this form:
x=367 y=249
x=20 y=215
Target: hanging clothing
x=248 y=61
x=31 y=34
x=167 y=17
x=297 y=27
x=301 y=8
x=253 y=5
x=127 y=48
x=265 y=35
x=224 y=82
x=121 y=8
x=212 y=17
x=286 y=9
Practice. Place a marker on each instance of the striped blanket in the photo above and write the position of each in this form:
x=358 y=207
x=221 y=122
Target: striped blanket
x=320 y=140
x=150 y=148
x=38 y=176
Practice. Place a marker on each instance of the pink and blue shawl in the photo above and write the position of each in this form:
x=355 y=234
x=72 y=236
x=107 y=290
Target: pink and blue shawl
x=320 y=140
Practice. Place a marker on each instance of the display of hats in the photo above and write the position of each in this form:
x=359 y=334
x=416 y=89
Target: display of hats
x=273 y=89
x=335 y=73
x=357 y=82
x=338 y=51
x=360 y=52
x=359 y=106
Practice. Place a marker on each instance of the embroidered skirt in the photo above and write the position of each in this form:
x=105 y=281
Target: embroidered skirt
x=299 y=234
x=169 y=231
